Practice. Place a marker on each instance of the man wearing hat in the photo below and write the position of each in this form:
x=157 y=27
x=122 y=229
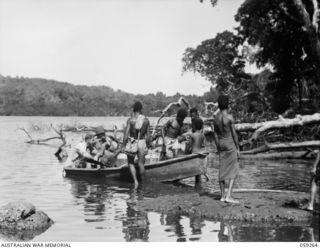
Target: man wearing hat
x=81 y=153
x=104 y=148
x=99 y=141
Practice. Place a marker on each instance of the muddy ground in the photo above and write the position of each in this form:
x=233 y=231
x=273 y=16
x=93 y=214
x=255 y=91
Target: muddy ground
x=262 y=207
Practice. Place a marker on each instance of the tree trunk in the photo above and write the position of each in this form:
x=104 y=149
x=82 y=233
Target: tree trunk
x=310 y=24
x=279 y=155
x=280 y=123
x=283 y=146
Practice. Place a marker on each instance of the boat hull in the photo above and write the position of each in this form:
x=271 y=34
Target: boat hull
x=168 y=170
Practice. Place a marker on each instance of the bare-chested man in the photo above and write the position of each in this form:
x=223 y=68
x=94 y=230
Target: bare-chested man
x=138 y=128
x=171 y=131
x=197 y=137
x=227 y=143
x=315 y=180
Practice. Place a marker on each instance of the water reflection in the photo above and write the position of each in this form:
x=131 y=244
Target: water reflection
x=196 y=224
x=225 y=233
x=103 y=204
x=276 y=233
x=182 y=230
x=136 y=225
x=93 y=197
x=174 y=226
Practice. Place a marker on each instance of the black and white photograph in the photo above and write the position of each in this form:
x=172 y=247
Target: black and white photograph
x=159 y=121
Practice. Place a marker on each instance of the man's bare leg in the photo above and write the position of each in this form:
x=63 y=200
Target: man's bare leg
x=222 y=189
x=133 y=174
x=228 y=197
x=141 y=161
x=312 y=194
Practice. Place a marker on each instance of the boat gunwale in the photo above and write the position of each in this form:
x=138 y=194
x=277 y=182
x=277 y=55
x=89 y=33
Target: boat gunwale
x=147 y=166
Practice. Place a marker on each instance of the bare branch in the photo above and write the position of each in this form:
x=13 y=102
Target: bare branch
x=23 y=129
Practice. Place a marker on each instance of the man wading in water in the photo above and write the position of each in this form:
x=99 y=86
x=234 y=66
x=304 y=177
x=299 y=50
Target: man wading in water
x=226 y=140
x=138 y=129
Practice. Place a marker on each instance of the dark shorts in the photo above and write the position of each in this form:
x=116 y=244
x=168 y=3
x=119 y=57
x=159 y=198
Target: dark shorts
x=142 y=151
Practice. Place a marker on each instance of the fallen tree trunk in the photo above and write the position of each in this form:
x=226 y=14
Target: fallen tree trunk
x=279 y=155
x=279 y=123
x=284 y=123
x=284 y=146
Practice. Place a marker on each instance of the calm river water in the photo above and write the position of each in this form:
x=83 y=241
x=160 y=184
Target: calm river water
x=105 y=211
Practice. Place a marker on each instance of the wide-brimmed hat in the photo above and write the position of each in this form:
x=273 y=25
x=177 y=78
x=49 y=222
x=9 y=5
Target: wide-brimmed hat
x=100 y=131
x=88 y=136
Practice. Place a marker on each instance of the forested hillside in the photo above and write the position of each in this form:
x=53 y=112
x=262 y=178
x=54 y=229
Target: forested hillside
x=34 y=96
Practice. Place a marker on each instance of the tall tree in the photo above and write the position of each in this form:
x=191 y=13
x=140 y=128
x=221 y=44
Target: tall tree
x=220 y=61
x=288 y=39
x=217 y=60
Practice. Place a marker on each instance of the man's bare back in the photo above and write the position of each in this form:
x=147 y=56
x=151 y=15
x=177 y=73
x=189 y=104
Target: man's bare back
x=222 y=124
x=197 y=141
x=133 y=132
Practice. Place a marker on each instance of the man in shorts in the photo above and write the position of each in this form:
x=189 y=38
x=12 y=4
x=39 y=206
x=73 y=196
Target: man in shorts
x=137 y=129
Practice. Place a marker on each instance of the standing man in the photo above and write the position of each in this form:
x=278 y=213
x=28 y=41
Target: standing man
x=315 y=180
x=138 y=129
x=226 y=140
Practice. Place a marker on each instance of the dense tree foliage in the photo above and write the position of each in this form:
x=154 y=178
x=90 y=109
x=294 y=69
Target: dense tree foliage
x=280 y=35
x=33 y=96
x=217 y=60
x=221 y=61
x=278 y=30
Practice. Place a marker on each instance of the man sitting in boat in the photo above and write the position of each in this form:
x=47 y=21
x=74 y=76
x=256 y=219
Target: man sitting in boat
x=170 y=133
x=104 y=148
x=81 y=155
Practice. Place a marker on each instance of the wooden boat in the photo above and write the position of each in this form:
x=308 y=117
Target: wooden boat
x=167 y=170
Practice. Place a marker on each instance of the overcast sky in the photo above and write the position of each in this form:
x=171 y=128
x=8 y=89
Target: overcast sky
x=132 y=45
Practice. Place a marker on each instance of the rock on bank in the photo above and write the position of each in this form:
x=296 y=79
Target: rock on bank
x=20 y=220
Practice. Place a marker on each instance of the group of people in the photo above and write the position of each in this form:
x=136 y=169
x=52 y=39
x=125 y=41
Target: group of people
x=176 y=140
x=96 y=150
x=138 y=128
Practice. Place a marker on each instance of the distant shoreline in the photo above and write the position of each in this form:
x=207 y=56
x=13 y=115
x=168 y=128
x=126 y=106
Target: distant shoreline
x=42 y=97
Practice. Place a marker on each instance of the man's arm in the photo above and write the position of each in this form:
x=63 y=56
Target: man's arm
x=234 y=133
x=148 y=137
x=83 y=153
x=164 y=129
x=216 y=141
x=126 y=133
x=184 y=136
x=215 y=136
